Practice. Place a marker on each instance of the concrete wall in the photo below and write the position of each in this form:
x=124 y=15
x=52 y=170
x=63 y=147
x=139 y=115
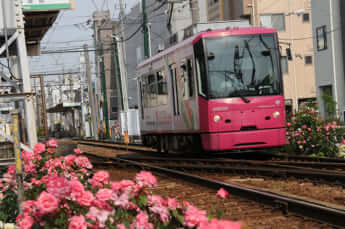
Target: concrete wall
x=329 y=63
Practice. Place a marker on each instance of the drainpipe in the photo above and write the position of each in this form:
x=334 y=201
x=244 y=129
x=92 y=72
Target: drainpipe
x=333 y=54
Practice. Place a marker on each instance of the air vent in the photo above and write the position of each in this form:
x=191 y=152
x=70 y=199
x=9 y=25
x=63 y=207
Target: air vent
x=248 y=128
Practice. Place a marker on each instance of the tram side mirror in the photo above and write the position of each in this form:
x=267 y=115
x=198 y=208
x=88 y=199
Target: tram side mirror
x=266 y=53
x=211 y=56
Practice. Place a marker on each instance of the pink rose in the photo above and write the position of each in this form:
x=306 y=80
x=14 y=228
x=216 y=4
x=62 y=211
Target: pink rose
x=28 y=156
x=142 y=221
x=11 y=170
x=104 y=194
x=172 y=203
x=69 y=160
x=220 y=224
x=86 y=198
x=193 y=216
x=146 y=179
x=52 y=143
x=47 y=203
x=222 y=193
x=83 y=162
x=39 y=148
x=26 y=222
x=58 y=186
x=77 y=188
x=100 y=178
x=121 y=226
x=77 y=151
x=77 y=222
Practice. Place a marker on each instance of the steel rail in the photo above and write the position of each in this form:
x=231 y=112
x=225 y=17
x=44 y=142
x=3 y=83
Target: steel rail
x=317 y=211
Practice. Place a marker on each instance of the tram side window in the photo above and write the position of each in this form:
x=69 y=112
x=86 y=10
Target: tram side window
x=200 y=68
x=190 y=77
x=162 y=88
x=152 y=90
x=184 y=80
x=146 y=91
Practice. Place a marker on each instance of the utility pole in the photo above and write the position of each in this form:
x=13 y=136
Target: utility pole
x=91 y=95
x=145 y=30
x=105 y=100
x=25 y=75
x=44 y=109
x=118 y=71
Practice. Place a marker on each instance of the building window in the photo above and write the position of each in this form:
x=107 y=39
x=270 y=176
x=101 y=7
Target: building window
x=321 y=38
x=305 y=18
x=308 y=60
x=284 y=64
x=276 y=21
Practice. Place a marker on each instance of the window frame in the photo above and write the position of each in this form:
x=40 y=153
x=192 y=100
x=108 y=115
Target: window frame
x=323 y=34
x=304 y=19
x=275 y=14
x=306 y=57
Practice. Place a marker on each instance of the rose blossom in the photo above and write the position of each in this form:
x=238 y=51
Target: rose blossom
x=69 y=159
x=26 y=222
x=77 y=222
x=142 y=221
x=77 y=188
x=220 y=224
x=145 y=178
x=222 y=193
x=52 y=143
x=99 y=178
x=47 y=203
x=58 y=186
x=39 y=148
x=77 y=151
x=104 y=194
x=172 y=203
x=193 y=216
x=86 y=198
x=11 y=169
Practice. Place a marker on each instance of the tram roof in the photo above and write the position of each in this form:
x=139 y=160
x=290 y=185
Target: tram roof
x=208 y=33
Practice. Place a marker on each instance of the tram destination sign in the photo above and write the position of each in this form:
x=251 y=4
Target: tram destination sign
x=47 y=5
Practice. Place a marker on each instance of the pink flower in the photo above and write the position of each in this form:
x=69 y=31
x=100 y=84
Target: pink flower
x=83 y=162
x=288 y=124
x=100 y=177
x=30 y=168
x=220 y=224
x=301 y=147
x=77 y=151
x=193 y=217
x=52 y=143
x=11 y=170
x=222 y=193
x=172 y=203
x=69 y=160
x=77 y=188
x=39 y=148
x=104 y=194
x=26 y=222
x=142 y=221
x=100 y=215
x=28 y=206
x=28 y=156
x=47 y=203
x=77 y=222
x=86 y=198
x=146 y=179
x=121 y=226
x=58 y=186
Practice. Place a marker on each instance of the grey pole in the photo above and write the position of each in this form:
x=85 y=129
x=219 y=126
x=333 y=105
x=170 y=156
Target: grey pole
x=91 y=95
x=19 y=168
x=30 y=118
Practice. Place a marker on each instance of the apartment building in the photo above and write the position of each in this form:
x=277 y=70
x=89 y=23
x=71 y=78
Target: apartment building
x=293 y=21
x=328 y=37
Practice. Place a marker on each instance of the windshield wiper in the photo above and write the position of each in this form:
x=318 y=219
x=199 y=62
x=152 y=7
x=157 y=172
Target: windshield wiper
x=239 y=94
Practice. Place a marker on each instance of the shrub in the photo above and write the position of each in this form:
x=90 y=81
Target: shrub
x=63 y=192
x=308 y=133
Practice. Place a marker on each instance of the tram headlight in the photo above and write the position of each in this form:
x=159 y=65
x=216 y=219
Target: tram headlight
x=276 y=114
x=216 y=118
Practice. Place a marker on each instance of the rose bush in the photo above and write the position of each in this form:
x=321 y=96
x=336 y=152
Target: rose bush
x=63 y=192
x=308 y=133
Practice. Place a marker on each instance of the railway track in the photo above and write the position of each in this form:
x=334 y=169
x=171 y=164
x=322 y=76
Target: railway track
x=306 y=208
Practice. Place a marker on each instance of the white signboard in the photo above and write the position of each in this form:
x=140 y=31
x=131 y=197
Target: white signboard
x=43 y=5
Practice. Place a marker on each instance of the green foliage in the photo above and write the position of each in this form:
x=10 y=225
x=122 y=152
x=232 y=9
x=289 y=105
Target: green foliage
x=9 y=207
x=309 y=134
x=331 y=105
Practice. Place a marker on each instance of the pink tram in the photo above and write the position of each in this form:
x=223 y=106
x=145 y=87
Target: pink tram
x=217 y=90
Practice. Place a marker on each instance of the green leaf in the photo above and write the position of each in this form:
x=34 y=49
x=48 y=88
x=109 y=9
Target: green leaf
x=178 y=217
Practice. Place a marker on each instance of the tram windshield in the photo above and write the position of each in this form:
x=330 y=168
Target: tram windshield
x=241 y=66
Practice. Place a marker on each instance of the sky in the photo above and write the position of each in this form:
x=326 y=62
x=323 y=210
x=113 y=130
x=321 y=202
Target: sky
x=71 y=30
